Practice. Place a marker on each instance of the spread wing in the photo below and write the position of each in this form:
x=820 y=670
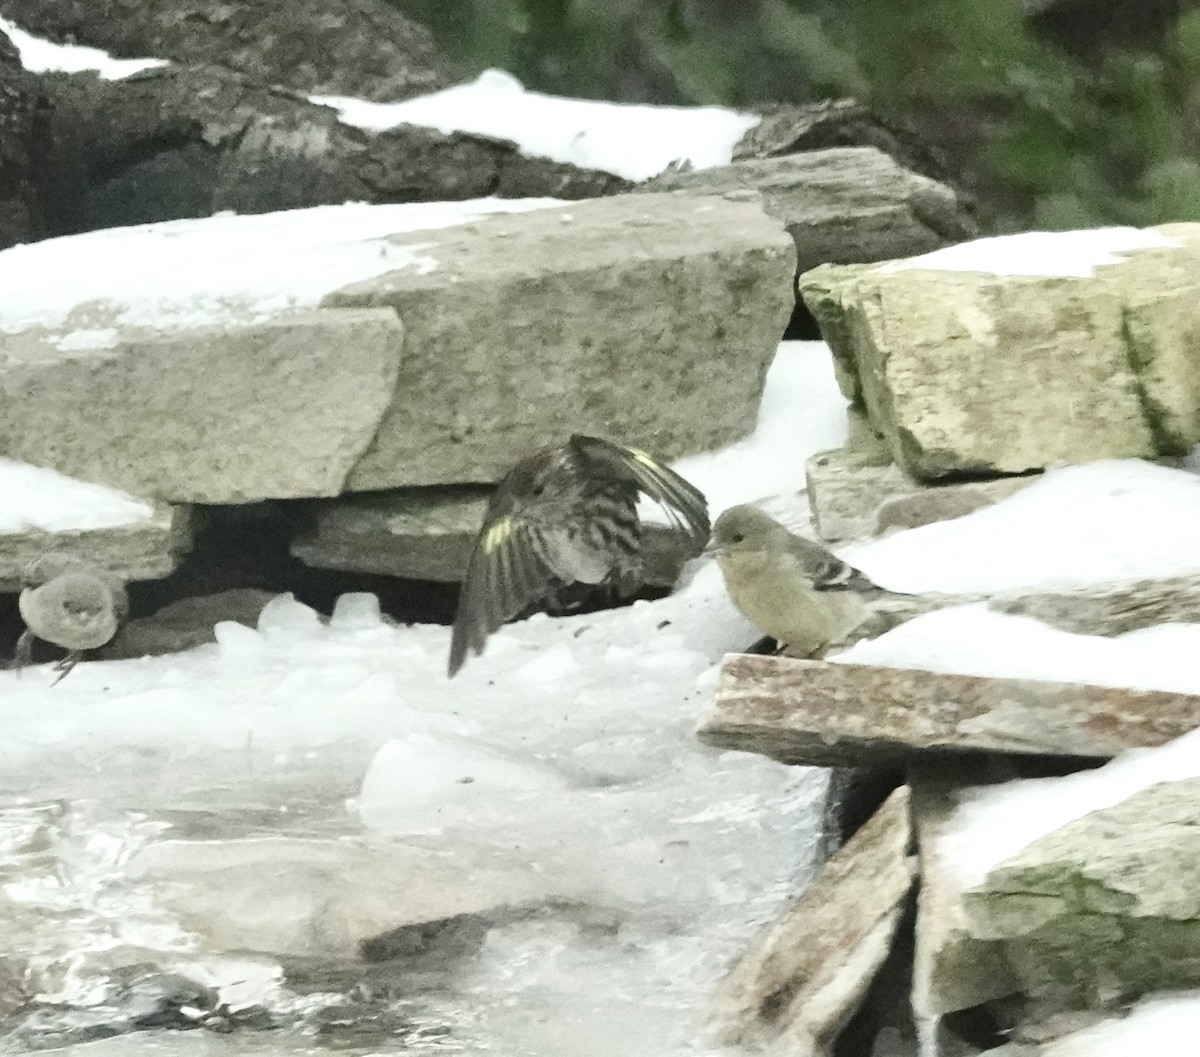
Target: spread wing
x=683 y=502
x=507 y=572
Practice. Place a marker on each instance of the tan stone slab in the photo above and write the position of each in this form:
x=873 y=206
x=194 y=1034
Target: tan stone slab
x=976 y=373
x=806 y=973
x=815 y=712
x=855 y=495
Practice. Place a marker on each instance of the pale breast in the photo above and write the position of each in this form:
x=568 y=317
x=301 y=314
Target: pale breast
x=774 y=595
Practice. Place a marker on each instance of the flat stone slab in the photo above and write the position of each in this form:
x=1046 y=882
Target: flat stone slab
x=428 y=533
x=855 y=495
x=292 y=897
x=823 y=714
x=844 y=204
x=650 y=318
x=139 y=539
x=1111 y=609
x=1010 y=354
x=220 y=414
x=806 y=973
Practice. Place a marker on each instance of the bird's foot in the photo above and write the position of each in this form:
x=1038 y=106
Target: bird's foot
x=65 y=664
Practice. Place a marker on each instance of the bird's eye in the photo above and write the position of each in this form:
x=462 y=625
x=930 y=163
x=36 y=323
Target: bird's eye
x=737 y=537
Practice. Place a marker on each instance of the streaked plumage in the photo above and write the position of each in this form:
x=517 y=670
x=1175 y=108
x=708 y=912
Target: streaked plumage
x=562 y=516
x=71 y=603
x=794 y=589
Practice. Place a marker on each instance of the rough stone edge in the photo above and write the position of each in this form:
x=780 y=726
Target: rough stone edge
x=167 y=534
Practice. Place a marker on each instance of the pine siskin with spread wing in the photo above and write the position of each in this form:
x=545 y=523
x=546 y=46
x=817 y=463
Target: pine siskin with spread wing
x=561 y=516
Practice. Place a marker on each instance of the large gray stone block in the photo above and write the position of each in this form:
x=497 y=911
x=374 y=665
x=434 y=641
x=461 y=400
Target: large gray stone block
x=219 y=414
x=647 y=318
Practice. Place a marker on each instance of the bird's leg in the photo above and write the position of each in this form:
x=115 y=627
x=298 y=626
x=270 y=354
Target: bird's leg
x=764 y=647
x=65 y=664
x=565 y=599
x=23 y=654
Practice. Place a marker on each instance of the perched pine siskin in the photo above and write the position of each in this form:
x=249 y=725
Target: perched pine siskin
x=70 y=603
x=562 y=516
x=794 y=589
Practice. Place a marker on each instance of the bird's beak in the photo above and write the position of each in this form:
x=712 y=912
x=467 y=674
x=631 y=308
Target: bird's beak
x=712 y=549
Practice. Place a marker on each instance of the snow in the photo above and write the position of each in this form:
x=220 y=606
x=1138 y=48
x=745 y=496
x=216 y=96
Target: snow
x=41 y=499
x=1049 y=253
x=1077 y=526
x=1163 y=1025
x=994 y=823
x=44 y=56
x=802 y=412
x=221 y=269
x=1114 y=519
x=630 y=140
x=976 y=640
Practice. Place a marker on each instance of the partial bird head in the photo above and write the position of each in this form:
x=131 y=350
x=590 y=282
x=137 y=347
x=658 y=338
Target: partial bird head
x=79 y=596
x=745 y=529
x=541 y=483
x=48 y=566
